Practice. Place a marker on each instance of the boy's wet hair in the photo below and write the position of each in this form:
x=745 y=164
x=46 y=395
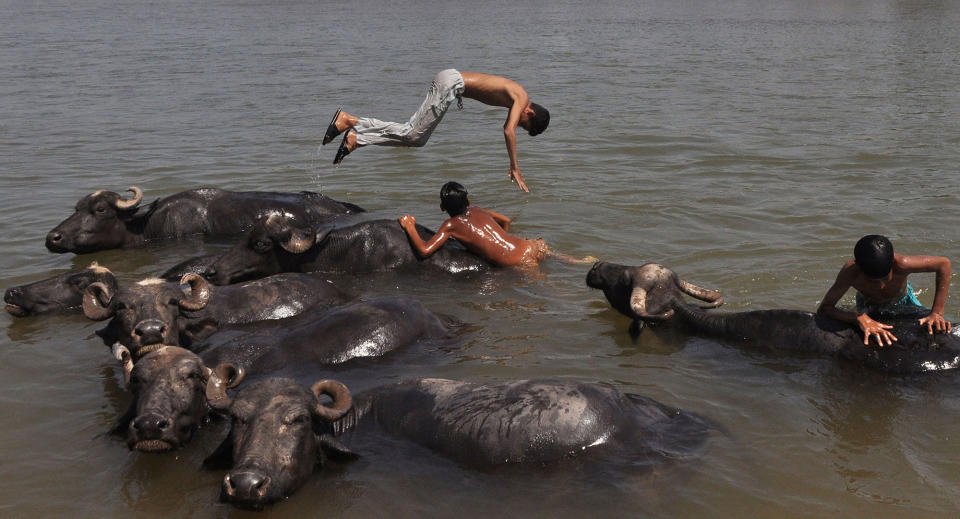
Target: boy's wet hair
x=540 y=119
x=874 y=255
x=453 y=198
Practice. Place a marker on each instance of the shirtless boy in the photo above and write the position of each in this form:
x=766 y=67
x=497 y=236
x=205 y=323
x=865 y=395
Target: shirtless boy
x=448 y=85
x=880 y=278
x=482 y=231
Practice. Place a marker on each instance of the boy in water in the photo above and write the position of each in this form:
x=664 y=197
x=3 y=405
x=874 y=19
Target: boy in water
x=880 y=278
x=482 y=231
x=448 y=85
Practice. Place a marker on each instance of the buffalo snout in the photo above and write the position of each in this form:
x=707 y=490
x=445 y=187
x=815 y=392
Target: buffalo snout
x=55 y=242
x=599 y=275
x=150 y=331
x=247 y=486
x=150 y=432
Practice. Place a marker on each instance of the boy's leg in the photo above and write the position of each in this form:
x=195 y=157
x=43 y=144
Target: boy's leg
x=446 y=86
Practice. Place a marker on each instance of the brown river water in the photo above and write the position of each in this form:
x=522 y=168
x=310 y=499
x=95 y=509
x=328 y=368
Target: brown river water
x=745 y=144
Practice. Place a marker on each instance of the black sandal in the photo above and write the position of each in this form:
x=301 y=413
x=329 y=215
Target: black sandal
x=342 y=151
x=332 y=130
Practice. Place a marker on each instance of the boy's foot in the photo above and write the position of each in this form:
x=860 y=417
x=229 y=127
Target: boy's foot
x=341 y=121
x=348 y=144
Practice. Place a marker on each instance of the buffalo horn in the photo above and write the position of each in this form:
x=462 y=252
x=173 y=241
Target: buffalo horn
x=225 y=376
x=704 y=294
x=342 y=401
x=130 y=204
x=121 y=353
x=298 y=242
x=638 y=303
x=199 y=291
x=97 y=299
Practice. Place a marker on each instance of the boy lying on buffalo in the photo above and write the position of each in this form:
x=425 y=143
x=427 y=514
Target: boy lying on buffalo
x=880 y=278
x=482 y=232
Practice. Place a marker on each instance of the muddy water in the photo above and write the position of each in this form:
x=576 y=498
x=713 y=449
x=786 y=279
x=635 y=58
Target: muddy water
x=746 y=146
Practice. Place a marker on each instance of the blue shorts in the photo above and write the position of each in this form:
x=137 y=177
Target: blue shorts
x=906 y=306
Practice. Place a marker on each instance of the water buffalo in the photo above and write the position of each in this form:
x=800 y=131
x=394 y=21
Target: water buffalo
x=278 y=244
x=104 y=220
x=153 y=311
x=167 y=382
x=280 y=431
x=62 y=293
x=654 y=293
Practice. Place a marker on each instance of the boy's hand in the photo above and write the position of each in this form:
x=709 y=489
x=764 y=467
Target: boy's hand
x=935 y=322
x=407 y=221
x=871 y=327
x=518 y=178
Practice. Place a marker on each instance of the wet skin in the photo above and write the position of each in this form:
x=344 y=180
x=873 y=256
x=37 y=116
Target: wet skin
x=481 y=231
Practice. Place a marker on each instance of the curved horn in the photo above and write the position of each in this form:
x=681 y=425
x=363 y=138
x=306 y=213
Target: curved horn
x=130 y=204
x=298 y=242
x=93 y=301
x=638 y=303
x=226 y=375
x=121 y=353
x=342 y=401
x=199 y=291
x=704 y=294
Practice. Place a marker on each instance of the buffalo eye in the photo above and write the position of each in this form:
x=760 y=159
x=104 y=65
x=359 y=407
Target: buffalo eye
x=100 y=209
x=262 y=245
x=298 y=419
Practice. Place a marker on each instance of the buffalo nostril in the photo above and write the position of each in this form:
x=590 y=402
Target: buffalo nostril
x=55 y=237
x=153 y=329
x=247 y=483
x=228 y=485
x=150 y=424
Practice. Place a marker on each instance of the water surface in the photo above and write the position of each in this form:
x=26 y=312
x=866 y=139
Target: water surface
x=745 y=145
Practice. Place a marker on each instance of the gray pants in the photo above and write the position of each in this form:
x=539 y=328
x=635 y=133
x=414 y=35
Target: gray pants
x=446 y=86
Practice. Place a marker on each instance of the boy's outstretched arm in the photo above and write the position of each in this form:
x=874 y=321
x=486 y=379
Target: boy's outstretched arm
x=940 y=265
x=409 y=224
x=828 y=307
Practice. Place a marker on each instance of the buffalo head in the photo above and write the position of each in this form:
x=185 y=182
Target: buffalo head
x=57 y=294
x=99 y=222
x=169 y=402
x=144 y=314
x=279 y=432
x=648 y=293
x=265 y=251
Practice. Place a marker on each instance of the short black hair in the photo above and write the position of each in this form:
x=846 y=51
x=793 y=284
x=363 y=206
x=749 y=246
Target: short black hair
x=540 y=119
x=874 y=255
x=453 y=198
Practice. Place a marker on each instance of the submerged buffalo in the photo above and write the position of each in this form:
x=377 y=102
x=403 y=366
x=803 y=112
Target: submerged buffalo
x=62 y=293
x=167 y=382
x=653 y=293
x=278 y=244
x=104 y=220
x=153 y=311
x=280 y=431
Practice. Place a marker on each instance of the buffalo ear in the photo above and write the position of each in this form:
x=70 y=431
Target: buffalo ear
x=636 y=328
x=222 y=457
x=333 y=449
